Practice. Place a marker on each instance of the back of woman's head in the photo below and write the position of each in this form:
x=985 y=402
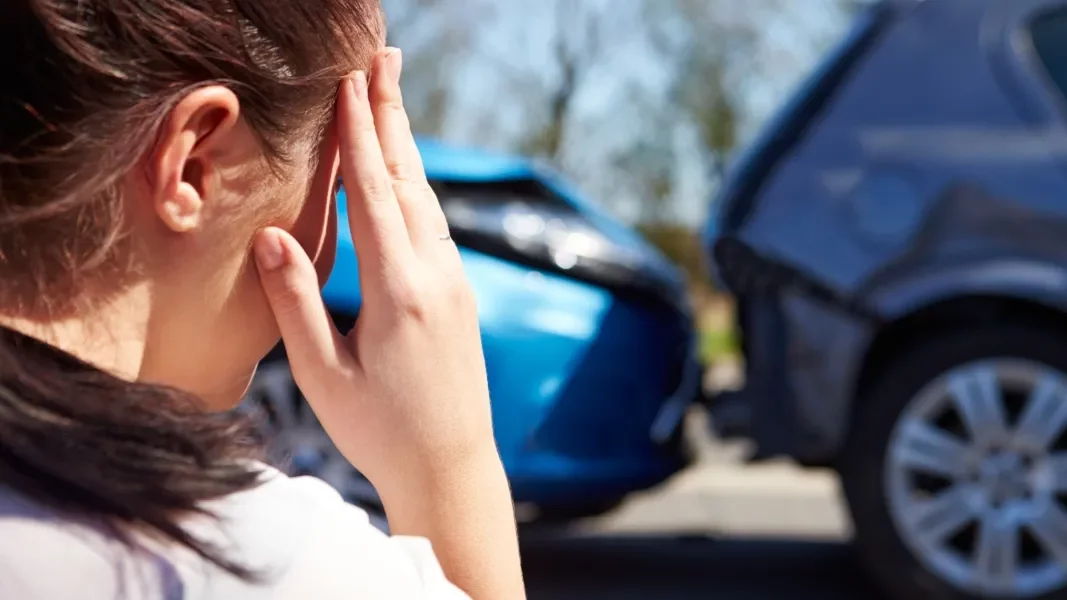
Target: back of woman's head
x=87 y=84
x=127 y=174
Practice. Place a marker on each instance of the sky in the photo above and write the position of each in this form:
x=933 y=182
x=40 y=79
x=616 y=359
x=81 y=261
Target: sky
x=508 y=62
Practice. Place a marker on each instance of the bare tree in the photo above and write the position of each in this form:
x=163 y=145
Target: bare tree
x=577 y=46
x=435 y=42
x=706 y=53
x=710 y=108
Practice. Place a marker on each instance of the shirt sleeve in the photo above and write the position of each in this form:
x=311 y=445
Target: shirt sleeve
x=346 y=558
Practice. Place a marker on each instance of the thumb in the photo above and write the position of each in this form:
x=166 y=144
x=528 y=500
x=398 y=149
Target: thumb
x=315 y=349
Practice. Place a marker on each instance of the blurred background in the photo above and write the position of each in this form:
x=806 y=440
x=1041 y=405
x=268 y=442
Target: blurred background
x=642 y=103
x=773 y=293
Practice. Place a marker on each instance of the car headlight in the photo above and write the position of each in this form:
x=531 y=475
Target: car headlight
x=546 y=233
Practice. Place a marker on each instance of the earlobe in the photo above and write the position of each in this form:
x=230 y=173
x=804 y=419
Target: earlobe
x=182 y=212
x=183 y=167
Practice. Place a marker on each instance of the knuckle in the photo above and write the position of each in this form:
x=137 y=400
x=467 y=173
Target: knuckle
x=392 y=110
x=365 y=132
x=455 y=289
x=399 y=169
x=290 y=296
x=407 y=300
x=407 y=186
x=410 y=306
x=374 y=190
x=393 y=106
x=365 y=128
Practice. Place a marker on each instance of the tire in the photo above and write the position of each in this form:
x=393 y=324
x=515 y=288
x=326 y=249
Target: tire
x=892 y=397
x=275 y=400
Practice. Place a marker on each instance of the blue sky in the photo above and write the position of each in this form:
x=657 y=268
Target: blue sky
x=509 y=60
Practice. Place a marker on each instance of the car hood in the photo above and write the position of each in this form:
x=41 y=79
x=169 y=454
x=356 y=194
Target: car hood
x=451 y=163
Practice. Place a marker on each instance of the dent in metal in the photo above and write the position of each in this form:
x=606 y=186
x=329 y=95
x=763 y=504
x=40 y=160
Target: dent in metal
x=825 y=350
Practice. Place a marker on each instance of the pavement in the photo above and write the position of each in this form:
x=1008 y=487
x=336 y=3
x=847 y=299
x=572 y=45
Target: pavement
x=722 y=495
x=722 y=529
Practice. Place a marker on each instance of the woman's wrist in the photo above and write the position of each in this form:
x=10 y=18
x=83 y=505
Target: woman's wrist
x=466 y=512
x=446 y=475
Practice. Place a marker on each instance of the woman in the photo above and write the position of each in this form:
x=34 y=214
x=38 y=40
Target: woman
x=167 y=179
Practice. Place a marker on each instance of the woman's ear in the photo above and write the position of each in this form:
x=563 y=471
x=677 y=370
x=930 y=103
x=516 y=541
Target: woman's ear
x=199 y=130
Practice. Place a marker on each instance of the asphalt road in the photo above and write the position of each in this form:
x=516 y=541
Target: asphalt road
x=672 y=568
x=721 y=530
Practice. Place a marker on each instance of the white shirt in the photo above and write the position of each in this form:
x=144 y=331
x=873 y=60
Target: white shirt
x=310 y=544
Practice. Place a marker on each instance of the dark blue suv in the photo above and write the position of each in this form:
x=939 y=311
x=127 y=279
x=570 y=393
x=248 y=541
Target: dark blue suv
x=897 y=244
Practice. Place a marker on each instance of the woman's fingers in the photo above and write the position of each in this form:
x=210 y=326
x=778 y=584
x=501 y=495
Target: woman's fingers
x=379 y=232
x=391 y=121
x=316 y=350
x=422 y=213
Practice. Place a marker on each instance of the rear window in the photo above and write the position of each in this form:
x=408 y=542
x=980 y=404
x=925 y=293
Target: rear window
x=1049 y=35
x=791 y=121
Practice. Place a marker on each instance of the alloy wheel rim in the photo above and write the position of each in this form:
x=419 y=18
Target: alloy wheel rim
x=976 y=477
x=297 y=440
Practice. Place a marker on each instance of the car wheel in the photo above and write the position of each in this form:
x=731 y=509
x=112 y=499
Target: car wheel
x=298 y=444
x=955 y=468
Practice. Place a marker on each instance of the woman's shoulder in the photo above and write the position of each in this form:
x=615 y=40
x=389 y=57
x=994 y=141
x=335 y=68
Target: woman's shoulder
x=316 y=545
x=298 y=533
x=289 y=504
x=46 y=554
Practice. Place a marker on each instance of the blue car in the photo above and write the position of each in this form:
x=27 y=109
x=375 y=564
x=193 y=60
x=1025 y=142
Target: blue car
x=587 y=335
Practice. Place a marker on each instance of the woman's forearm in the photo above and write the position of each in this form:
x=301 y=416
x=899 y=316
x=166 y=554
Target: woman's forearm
x=466 y=512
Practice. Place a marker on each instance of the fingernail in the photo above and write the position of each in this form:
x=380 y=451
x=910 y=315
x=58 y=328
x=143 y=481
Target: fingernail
x=394 y=64
x=268 y=250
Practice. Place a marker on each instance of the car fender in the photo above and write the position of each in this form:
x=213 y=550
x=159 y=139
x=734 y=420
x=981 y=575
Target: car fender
x=830 y=347
x=1028 y=279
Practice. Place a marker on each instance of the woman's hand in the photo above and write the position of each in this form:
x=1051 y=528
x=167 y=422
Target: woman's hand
x=406 y=388
x=404 y=395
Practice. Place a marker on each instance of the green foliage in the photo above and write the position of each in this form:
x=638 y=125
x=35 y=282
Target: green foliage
x=717 y=340
x=717 y=344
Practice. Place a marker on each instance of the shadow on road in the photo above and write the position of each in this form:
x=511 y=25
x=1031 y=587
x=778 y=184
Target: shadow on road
x=673 y=568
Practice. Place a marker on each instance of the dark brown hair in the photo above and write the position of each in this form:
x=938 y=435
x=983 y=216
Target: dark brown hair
x=86 y=86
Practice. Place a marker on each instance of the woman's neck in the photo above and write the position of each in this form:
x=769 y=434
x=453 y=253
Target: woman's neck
x=111 y=336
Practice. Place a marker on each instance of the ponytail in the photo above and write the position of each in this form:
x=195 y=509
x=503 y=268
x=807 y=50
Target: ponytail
x=130 y=455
